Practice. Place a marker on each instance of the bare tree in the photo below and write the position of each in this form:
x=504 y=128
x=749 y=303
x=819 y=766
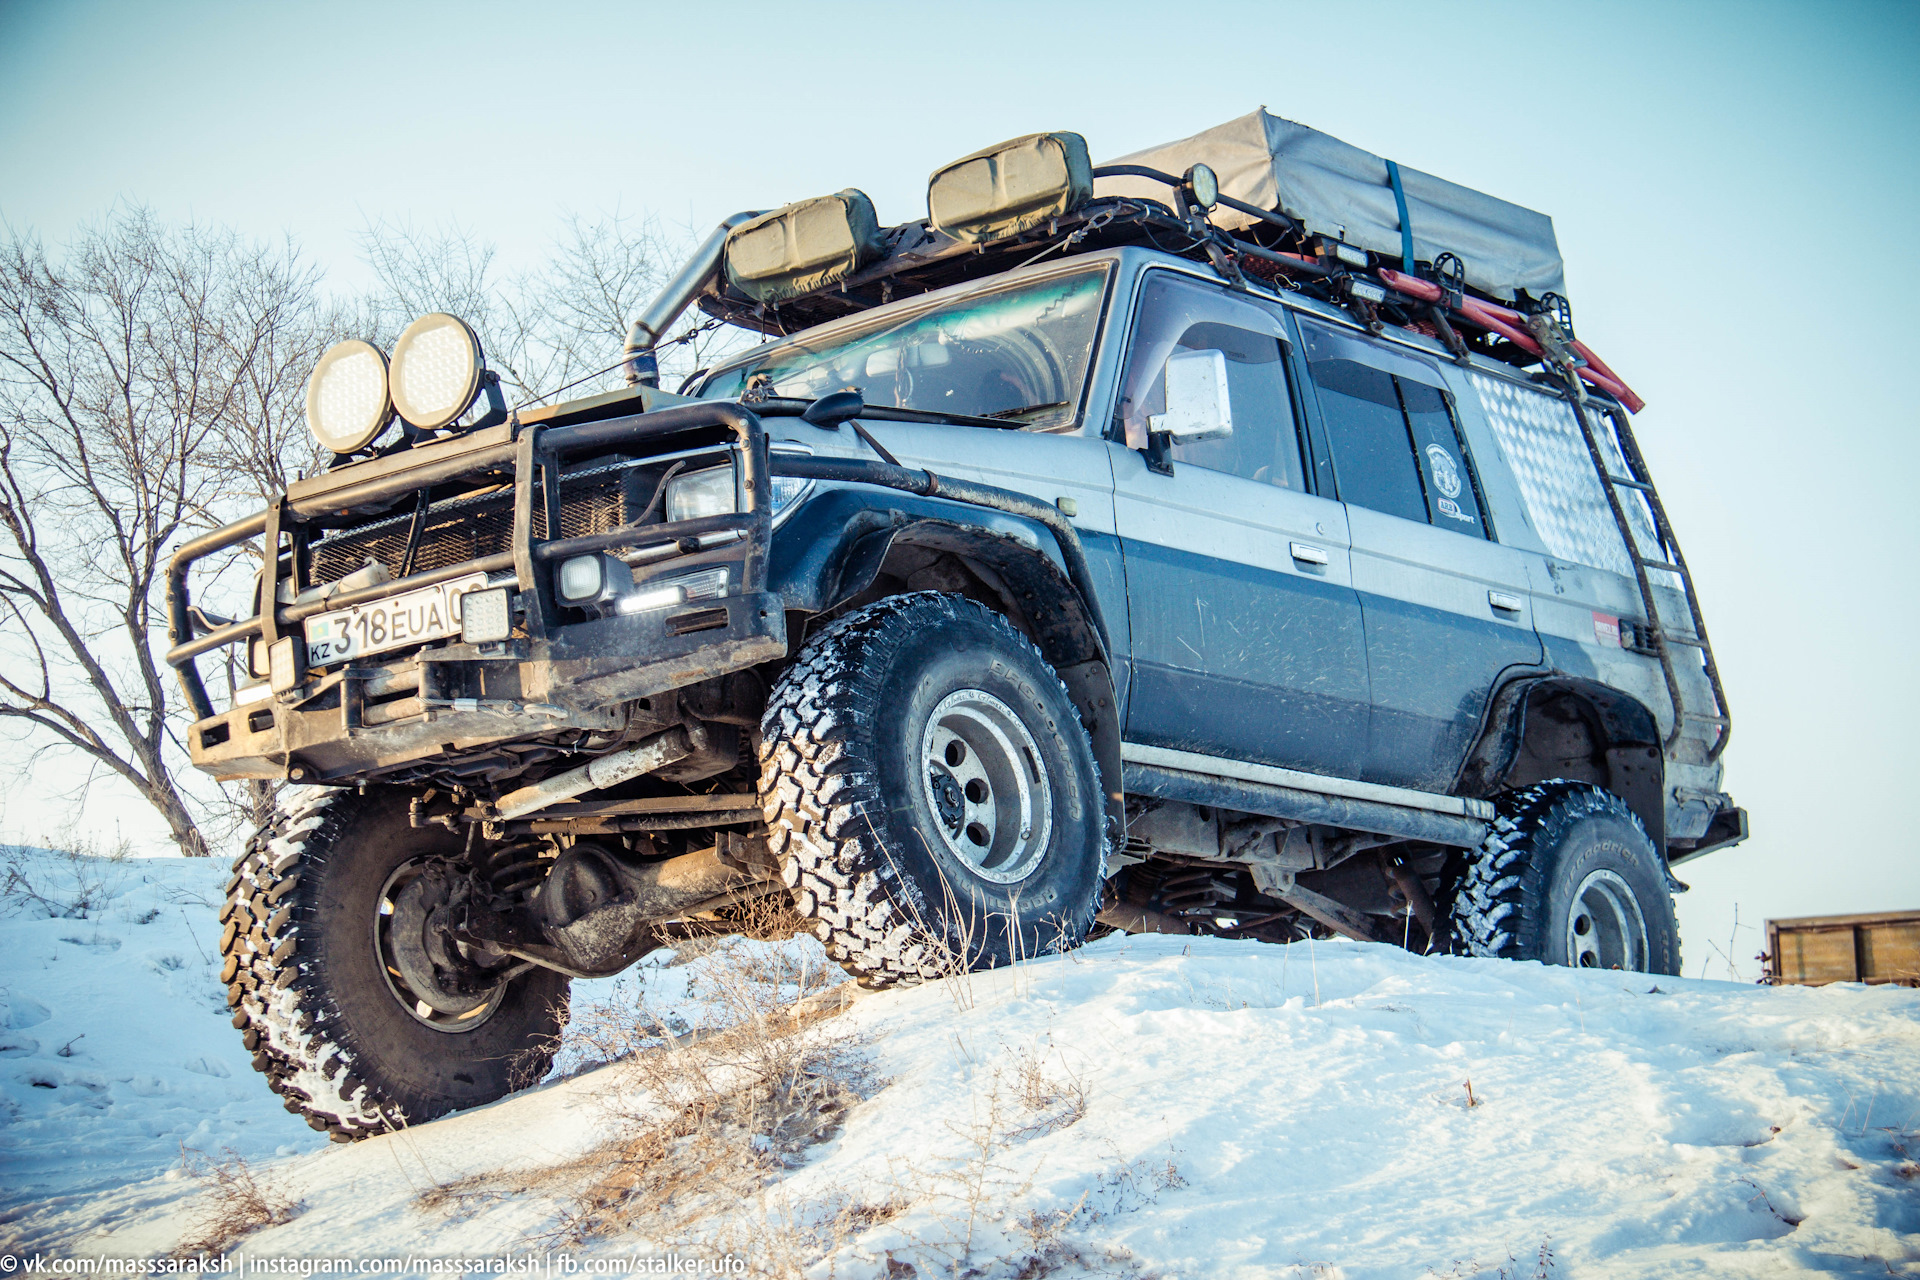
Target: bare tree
x=152 y=385
x=144 y=385
x=560 y=326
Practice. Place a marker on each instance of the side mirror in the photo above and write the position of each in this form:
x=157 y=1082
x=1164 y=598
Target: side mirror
x=1198 y=407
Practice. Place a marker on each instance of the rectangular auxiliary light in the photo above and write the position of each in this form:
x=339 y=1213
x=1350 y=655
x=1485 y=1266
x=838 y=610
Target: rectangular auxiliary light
x=485 y=617
x=651 y=598
x=1351 y=254
x=283 y=665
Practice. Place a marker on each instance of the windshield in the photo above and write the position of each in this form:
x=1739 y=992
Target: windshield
x=1020 y=354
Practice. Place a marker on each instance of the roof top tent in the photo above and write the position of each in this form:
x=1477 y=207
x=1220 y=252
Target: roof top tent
x=1335 y=189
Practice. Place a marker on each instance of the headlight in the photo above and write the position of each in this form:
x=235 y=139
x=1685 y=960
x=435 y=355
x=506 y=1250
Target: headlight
x=436 y=370
x=701 y=493
x=347 y=403
x=708 y=584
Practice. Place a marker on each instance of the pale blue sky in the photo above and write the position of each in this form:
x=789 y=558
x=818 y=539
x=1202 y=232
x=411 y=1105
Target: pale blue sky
x=1734 y=187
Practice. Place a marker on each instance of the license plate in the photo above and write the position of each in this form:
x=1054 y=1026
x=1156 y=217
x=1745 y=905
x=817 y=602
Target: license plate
x=427 y=614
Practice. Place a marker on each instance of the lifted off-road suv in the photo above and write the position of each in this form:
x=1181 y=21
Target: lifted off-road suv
x=1104 y=551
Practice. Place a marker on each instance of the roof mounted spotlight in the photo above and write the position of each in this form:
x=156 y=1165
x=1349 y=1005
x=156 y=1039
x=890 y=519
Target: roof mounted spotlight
x=1362 y=290
x=438 y=371
x=347 y=399
x=1202 y=186
x=1351 y=255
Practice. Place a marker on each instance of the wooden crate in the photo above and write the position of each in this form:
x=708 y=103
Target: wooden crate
x=1813 y=950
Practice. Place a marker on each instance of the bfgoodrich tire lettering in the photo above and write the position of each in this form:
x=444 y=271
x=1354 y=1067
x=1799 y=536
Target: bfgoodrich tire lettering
x=313 y=1000
x=931 y=792
x=1568 y=876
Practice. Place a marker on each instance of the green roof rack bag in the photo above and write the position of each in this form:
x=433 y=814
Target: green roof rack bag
x=803 y=247
x=1010 y=188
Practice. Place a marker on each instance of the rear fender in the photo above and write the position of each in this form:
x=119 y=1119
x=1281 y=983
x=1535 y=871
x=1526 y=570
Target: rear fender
x=1558 y=725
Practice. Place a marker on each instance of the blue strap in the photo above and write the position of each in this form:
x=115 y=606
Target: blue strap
x=1406 y=228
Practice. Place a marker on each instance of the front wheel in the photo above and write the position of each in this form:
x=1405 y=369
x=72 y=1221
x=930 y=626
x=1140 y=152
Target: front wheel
x=931 y=793
x=360 y=1008
x=1568 y=876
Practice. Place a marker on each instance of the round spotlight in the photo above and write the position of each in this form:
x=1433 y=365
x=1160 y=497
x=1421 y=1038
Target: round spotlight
x=1204 y=185
x=347 y=404
x=436 y=370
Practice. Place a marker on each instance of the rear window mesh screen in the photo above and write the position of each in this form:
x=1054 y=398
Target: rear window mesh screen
x=1542 y=442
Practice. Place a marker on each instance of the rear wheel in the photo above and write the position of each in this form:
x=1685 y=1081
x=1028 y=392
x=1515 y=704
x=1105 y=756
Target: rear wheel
x=1568 y=876
x=931 y=793
x=360 y=1009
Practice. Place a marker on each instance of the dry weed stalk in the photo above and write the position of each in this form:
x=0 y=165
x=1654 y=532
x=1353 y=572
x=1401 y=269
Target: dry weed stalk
x=706 y=1109
x=1052 y=1102
x=72 y=878
x=238 y=1203
x=967 y=1215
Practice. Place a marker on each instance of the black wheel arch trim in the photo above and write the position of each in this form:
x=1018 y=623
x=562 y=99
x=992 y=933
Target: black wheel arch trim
x=1635 y=762
x=833 y=546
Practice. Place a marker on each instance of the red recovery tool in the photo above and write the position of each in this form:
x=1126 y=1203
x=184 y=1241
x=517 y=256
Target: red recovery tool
x=1511 y=325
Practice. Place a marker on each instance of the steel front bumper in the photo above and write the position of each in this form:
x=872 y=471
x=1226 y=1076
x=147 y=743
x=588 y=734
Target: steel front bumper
x=370 y=718
x=454 y=700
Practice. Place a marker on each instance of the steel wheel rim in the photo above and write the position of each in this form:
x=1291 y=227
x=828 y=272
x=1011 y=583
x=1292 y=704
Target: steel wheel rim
x=986 y=786
x=1605 y=928
x=401 y=960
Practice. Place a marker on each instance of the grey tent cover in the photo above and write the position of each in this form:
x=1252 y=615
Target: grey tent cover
x=1332 y=188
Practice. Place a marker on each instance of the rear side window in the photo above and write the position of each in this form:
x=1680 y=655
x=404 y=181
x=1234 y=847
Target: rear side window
x=1436 y=441
x=1372 y=452
x=1395 y=443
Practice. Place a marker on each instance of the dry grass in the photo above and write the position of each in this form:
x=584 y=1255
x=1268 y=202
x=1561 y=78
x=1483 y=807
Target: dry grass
x=1541 y=1266
x=725 y=1075
x=1052 y=1102
x=72 y=878
x=237 y=1203
x=971 y=1215
x=707 y=1106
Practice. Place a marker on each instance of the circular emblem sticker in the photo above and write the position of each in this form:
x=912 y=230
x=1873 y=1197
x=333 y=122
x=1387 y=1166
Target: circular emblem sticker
x=1446 y=472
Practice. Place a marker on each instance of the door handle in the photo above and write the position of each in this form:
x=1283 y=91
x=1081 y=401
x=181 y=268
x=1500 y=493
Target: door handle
x=1504 y=602
x=1306 y=554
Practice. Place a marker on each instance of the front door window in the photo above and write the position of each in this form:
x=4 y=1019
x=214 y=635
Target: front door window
x=1181 y=315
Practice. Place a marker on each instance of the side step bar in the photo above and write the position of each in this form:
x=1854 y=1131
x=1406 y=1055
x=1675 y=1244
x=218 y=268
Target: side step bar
x=1304 y=797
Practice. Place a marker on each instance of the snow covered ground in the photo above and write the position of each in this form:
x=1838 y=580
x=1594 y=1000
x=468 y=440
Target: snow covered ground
x=1147 y=1106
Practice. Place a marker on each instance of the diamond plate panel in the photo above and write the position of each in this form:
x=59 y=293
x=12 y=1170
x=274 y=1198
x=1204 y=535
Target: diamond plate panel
x=1549 y=458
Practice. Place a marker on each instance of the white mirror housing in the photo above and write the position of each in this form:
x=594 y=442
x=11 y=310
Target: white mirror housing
x=1198 y=406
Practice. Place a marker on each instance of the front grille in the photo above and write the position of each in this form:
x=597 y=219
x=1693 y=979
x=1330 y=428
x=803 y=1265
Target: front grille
x=468 y=528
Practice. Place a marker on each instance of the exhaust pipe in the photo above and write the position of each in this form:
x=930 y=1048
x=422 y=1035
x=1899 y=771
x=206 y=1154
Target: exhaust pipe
x=643 y=369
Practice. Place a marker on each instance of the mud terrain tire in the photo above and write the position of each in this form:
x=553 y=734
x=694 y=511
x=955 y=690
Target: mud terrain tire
x=931 y=793
x=1568 y=876
x=310 y=997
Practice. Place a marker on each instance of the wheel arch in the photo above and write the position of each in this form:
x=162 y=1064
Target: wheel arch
x=851 y=547
x=1556 y=725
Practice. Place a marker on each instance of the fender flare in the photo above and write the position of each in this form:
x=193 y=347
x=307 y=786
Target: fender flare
x=833 y=547
x=1630 y=743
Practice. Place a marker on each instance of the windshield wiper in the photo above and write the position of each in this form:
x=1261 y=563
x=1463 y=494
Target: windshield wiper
x=775 y=406
x=1032 y=408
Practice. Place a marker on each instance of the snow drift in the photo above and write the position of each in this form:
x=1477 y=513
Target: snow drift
x=1147 y=1105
